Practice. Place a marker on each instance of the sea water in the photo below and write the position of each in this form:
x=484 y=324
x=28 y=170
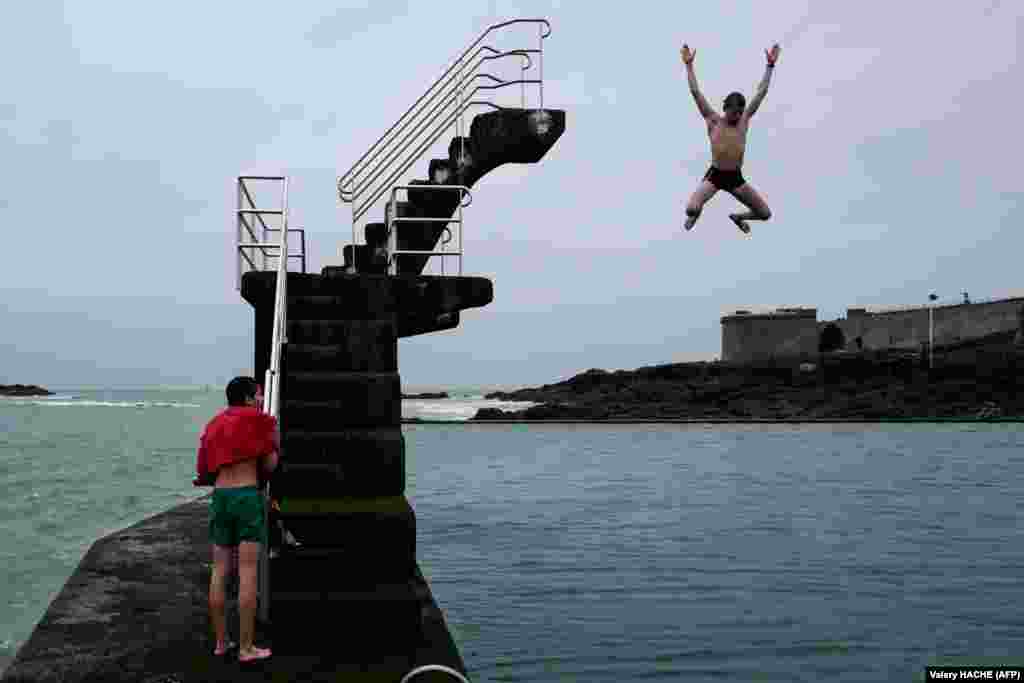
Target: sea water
x=603 y=553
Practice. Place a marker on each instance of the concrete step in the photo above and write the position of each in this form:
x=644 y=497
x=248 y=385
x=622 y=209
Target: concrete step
x=359 y=524
x=311 y=567
x=461 y=152
x=339 y=445
x=441 y=172
x=365 y=348
x=366 y=297
x=369 y=259
x=349 y=334
x=324 y=415
x=375 y=469
x=386 y=618
x=376 y=234
x=340 y=399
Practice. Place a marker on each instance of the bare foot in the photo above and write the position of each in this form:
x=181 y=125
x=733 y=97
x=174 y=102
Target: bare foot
x=253 y=654
x=222 y=648
x=690 y=221
x=740 y=223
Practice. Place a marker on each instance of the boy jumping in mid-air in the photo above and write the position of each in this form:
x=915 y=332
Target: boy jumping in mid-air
x=728 y=135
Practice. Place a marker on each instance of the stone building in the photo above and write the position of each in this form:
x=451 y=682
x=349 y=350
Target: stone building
x=797 y=331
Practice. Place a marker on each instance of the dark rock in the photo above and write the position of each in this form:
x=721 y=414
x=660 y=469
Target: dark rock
x=23 y=390
x=871 y=385
x=428 y=395
x=493 y=414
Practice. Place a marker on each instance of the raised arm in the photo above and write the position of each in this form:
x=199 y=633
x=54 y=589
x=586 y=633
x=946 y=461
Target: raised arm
x=702 y=104
x=762 y=88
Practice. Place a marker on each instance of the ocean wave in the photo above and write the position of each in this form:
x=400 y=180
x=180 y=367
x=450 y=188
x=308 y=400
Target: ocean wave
x=455 y=409
x=65 y=401
x=23 y=399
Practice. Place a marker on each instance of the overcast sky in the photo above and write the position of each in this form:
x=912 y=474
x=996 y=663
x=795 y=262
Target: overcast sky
x=887 y=148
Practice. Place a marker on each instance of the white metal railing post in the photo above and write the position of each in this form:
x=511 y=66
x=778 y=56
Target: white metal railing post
x=272 y=394
x=540 y=60
x=238 y=233
x=355 y=269
x=391 y=230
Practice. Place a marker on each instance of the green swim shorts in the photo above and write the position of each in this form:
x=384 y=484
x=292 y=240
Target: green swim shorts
x=236 y=514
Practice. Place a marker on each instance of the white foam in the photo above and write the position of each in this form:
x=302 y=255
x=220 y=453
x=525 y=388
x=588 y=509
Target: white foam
x=66 y=401
x=55 y=397
x=459 y=409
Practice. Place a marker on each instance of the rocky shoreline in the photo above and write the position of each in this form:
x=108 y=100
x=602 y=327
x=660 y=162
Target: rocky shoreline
x=427 y=395
x=979 y=379
x=23 y=390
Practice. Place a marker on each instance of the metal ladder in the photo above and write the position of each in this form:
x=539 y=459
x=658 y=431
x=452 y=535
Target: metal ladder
x=268 y=250
x=366 y=182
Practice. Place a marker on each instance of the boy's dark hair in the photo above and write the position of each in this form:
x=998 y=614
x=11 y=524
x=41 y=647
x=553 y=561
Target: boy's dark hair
x=736 y=98
x=239 y=389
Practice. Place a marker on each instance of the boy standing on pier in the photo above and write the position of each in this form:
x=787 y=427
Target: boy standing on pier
x=235 y=446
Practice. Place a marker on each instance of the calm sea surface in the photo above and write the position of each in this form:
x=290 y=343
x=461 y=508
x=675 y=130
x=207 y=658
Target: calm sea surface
x=675 y=552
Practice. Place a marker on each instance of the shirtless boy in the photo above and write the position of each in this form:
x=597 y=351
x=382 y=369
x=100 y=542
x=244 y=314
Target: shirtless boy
x=235 y=446
x=728 y=133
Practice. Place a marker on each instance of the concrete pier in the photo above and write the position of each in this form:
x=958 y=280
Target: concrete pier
x=135 y=610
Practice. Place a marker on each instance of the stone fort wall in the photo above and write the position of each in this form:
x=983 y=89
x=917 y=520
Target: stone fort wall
x=796 y=331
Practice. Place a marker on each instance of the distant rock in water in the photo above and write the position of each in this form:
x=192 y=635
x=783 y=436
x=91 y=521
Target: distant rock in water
x=493 y=414
x=23 y=390
x=428 y=395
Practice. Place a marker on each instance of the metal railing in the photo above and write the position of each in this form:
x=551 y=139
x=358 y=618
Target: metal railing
x=374 y=173
x=392 y=220
x=272 y=378
x=250 y=220
x=350 y=183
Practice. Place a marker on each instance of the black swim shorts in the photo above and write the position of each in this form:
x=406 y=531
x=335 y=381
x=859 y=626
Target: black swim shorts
x=725 y=180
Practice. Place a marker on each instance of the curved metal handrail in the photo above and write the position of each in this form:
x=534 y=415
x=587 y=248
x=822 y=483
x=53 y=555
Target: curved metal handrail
x=411 y=159
x=382 y=141
x=434 y=667
x=350 y=194
x=409 y=138
x=458 y=60
x=462 y=77
x=357 y=214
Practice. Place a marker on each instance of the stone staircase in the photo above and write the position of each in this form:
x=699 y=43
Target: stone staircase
x=504 y=136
